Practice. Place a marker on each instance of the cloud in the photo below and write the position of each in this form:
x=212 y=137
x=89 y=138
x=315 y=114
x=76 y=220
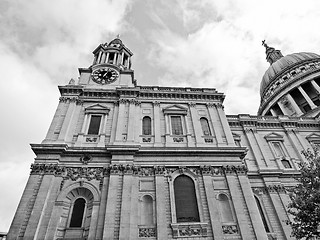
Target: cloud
x=224 y=51
x=42 y=44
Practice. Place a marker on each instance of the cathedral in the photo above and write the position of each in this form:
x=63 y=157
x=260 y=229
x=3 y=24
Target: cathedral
x=124 y=161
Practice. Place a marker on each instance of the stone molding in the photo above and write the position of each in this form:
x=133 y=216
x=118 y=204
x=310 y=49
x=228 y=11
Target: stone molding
x=230 y=229
x=277 y=188
x=189 y=229
x=97 y=173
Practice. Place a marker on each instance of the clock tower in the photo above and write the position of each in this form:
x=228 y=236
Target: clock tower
x=111 y=67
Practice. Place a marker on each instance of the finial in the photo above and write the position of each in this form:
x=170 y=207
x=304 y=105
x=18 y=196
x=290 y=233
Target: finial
x=272 y=54
x=118 y=35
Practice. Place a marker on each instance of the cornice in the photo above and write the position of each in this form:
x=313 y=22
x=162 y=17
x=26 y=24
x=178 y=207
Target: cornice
x=145 y=92
x=246 y=120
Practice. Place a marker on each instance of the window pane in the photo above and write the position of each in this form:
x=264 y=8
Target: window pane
x=185 y=200
x=94 y=125
x=278 y=149
x=176 y=125
x=77 y=213
x=286 y=164
x=146 y=126
x=205 y=126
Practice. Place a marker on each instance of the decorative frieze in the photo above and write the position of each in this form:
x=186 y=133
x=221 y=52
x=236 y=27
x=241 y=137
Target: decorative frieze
x=90 y=173
x=178 y=139
x=91 y=139
x=189 y=229
x=146 y=232
x=146 y=139
x=230 y=229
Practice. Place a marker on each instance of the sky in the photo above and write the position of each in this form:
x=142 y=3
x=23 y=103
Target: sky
x=204 y=43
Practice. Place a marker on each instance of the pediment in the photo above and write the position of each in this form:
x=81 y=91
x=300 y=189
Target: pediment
x=313 y=137
x=273 y=137
x=175 y=109
x=236 y=136
x=97 y=108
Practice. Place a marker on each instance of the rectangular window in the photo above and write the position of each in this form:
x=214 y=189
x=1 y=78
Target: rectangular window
x=278 y=149
x=176 y=125
x=94 y=125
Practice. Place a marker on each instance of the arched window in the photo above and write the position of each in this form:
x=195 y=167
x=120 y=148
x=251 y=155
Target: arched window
x=263 y=217
x=286 y=163
x=185 y=200
x=147 y=210
x=205 y=126
x=225 y=208
x=77 y=213
x=146 y=126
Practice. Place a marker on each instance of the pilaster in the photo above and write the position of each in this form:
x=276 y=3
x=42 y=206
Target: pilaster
x=225 y=125
x=120 y=119
x=132 y=119
x=40 y=204
x=156 y=121
x=111 y=208
x=252 y=208
x=102 y=208
x=162 y=231
x=196 y=124
x=217 y=128
x=212 y=207
x=64 y=135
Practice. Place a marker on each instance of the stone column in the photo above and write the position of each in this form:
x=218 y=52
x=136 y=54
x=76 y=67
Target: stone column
x=237 y=199
x=215 y=123
x=273 y=113
x=189 y=141
x=262 y=149
x=283 y=108
x=67 y=122
x=162 y=230
x=196 y=124
x=254 y=146
x=102 y=208
x=103 y=58
x=131 y=120
x=94 y=221
x=124 y=233
x=166 y=118
x=120 y=125
x=40 y=204
x=279 y=209
x=99 y=57
x=48 y=213
x=114 y=122
x=80 y=138
x=225 y=125
x=315 y=85
x=54 y=221
x=21 y=216
x=112 y=205
x=252 y=208
x=295 y=142
x=294 y=104
x=212 y=206
x=306 y=96
x=156 y=121
x=134 y=217
x=137 y=123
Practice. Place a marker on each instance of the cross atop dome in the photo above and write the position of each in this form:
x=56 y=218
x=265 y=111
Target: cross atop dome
x=272 y=54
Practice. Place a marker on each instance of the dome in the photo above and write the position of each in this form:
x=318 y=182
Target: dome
x=282 y=65
x=115 y=43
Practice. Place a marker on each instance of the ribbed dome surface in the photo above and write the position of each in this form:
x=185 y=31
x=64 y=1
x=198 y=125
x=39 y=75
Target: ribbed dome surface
x=282 y=65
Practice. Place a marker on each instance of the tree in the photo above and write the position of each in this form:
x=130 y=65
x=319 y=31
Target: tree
x=305 y=198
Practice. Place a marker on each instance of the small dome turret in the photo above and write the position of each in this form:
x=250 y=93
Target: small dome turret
x=115 y=53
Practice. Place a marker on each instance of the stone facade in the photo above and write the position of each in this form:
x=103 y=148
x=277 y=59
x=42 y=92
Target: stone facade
x=130 y=152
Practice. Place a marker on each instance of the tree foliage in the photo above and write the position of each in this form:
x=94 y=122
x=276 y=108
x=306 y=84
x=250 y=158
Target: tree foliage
x=305 y=198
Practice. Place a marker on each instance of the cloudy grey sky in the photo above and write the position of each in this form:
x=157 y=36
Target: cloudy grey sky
x=208 y=43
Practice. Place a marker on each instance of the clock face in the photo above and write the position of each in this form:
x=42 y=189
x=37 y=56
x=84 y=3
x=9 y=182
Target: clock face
x=105 y=75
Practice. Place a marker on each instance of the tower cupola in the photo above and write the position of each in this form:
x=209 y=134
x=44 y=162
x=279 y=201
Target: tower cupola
x=115 y=53
x=272 y=54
